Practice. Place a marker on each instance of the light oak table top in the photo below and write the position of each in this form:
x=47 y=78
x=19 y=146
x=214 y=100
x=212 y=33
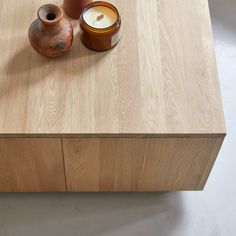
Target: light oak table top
x=161 y=79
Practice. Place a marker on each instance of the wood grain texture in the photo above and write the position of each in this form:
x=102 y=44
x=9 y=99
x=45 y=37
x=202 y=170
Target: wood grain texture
x=145 y=116
x=31 y=165
x=138 y=164
x=160 y=79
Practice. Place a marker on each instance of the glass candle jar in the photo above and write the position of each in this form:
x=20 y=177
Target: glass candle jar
x=73 y=8
x=100 y=24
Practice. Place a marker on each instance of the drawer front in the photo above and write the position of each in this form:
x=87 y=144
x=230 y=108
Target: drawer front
x=31 y=165
x=138 y=164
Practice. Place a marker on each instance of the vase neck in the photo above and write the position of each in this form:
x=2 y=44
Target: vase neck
x=50 y=14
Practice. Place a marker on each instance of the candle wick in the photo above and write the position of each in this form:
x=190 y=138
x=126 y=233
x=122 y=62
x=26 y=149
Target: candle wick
x=100 y=17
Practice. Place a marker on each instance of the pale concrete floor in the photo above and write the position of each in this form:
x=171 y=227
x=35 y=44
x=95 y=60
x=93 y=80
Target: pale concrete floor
x=211 y=212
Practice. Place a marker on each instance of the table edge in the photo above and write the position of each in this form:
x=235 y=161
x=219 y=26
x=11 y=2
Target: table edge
x=125 y=135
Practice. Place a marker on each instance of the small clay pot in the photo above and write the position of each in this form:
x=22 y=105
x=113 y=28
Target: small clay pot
x=73 y=8
x=51 y=35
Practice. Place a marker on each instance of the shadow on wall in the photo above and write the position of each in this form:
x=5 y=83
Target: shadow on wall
x=223 y=15
x=90 y=214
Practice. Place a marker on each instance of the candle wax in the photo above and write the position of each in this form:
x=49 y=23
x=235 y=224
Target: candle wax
x=93 y=19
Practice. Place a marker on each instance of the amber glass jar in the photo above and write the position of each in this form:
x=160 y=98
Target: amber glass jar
x=93 y=35
x=73 y=8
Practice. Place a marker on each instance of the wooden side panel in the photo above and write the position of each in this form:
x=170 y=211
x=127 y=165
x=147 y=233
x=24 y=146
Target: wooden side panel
x=31 y=165
x=211 y=161
x=138 y=164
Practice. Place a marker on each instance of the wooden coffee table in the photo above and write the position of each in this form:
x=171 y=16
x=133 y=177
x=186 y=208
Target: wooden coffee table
x=145 y=116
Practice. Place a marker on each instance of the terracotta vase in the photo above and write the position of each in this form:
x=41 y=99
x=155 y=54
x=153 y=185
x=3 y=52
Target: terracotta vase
x=51 y=34
x=73 y=8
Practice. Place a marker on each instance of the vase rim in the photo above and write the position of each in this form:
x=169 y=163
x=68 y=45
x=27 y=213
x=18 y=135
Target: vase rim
x=50 y=14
